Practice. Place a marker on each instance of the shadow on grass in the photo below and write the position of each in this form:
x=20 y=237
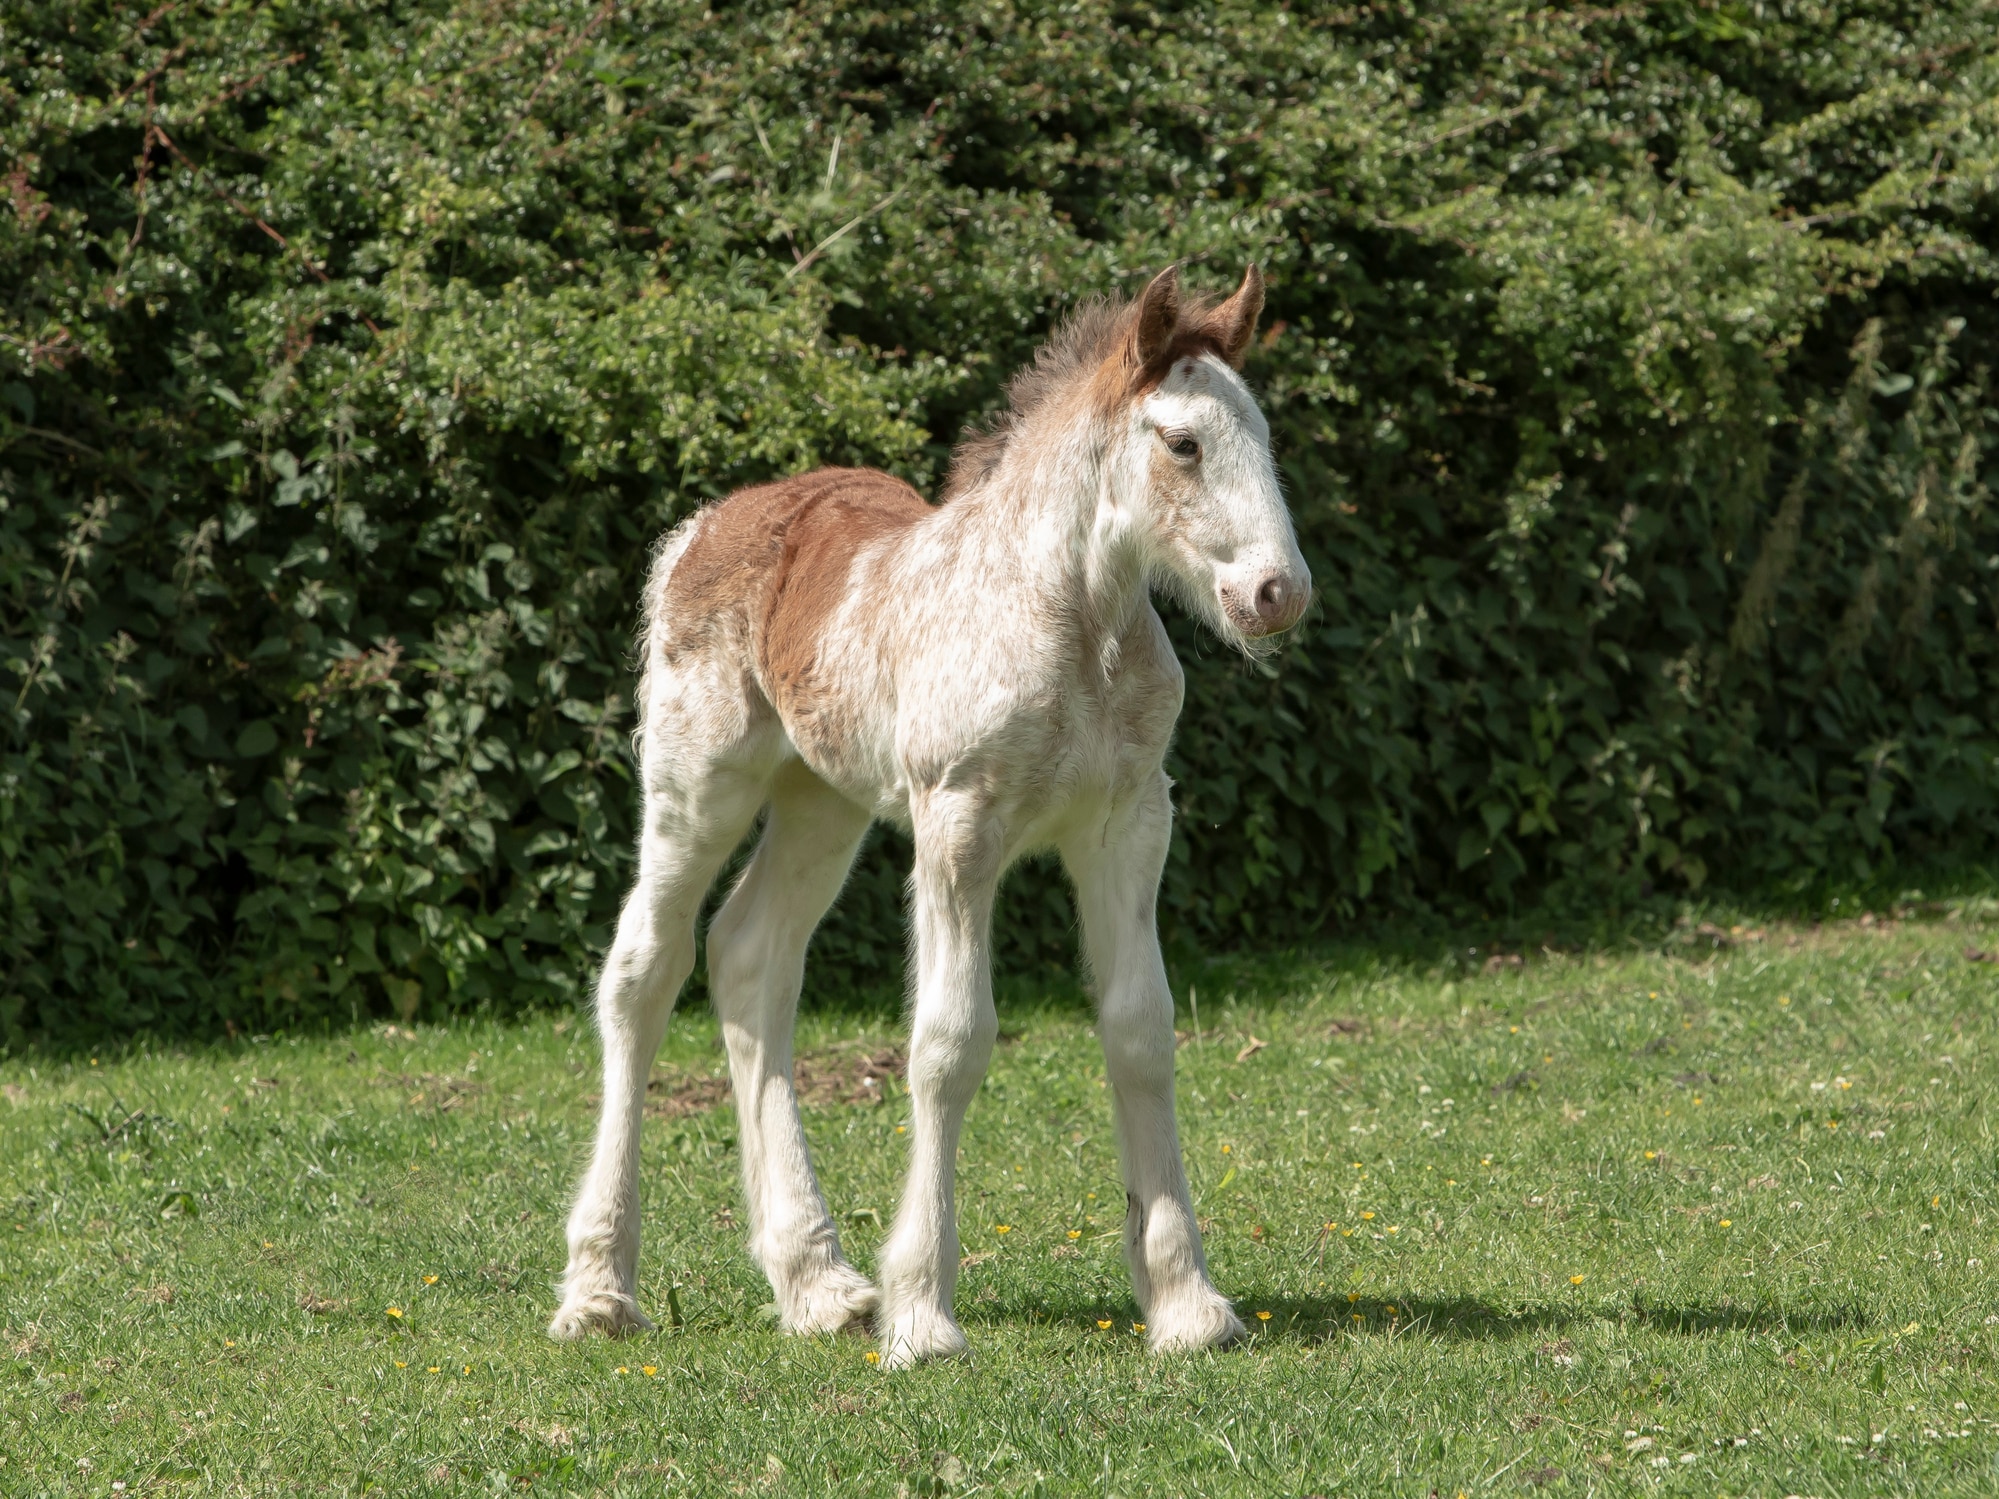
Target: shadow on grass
x=1314 y=1319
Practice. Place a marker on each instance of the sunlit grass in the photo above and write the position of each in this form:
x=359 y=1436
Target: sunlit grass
x=1680 y=1221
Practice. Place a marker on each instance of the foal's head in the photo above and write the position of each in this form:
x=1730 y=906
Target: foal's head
x=1186 y=453
x=1190 y=459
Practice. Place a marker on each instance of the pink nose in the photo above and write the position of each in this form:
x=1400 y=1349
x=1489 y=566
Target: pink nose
x=1280 y=600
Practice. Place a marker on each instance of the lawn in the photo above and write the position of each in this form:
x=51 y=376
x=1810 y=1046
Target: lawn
x=1704 y=1216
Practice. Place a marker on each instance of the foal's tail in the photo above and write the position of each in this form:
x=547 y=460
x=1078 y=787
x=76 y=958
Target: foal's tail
x=666 y=554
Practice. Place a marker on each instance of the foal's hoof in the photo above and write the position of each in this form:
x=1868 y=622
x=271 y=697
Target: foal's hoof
x=838 y=1299
x=610 y=1313
x=916 y=1335
x=1202 y=1322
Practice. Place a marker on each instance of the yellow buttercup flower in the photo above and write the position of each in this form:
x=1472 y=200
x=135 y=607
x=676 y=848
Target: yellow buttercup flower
x=430 y=1280
x=1103 y=1324
x=1002 y=1228
x=1726 y=1222
x=1575 y=1280
x=1138 y=1327
x=1075 y=1233
x=872 y=1356
x=394 y=1311
x=649 y=1370
x=1263 y=1316
x=1367 y=1217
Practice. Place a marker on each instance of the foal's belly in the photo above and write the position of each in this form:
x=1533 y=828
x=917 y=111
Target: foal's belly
x=1047 y=757
x=1042 y=797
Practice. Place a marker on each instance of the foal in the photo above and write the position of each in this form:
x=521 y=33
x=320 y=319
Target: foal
x=989 y=674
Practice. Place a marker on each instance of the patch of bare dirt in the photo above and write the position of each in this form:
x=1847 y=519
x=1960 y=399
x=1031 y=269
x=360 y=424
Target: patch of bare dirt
x=832 y=1075
x=677 y=1097
x=847 y=1075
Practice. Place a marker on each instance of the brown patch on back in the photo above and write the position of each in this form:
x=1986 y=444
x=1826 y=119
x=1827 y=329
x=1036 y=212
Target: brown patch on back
x=779 y=558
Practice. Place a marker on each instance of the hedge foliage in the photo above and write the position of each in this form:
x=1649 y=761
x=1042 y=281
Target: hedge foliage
x=1626 y=366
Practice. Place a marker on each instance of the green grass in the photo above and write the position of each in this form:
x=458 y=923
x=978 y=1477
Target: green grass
x=1673 y=1221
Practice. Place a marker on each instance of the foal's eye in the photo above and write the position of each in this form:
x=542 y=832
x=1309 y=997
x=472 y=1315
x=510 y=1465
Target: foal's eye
x=1180 y=445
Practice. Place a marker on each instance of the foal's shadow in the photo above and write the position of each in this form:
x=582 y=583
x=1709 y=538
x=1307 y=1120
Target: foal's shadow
x=1315 y=1319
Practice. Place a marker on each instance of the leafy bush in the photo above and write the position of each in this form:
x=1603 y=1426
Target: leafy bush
x=1623 y=365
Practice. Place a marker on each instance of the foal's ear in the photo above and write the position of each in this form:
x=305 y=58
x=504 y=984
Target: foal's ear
x=1153 y=320
x=1232 y=324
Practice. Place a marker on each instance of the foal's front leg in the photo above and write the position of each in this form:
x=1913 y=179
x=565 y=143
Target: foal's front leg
x=1115 y=866
x=958 y=859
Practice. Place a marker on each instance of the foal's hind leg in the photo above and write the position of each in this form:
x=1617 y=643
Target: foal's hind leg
x=691 y=825
x=1115 y=866
x=756 y=964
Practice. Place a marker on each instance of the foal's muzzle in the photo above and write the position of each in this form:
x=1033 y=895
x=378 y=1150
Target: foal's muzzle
x=1273 y=602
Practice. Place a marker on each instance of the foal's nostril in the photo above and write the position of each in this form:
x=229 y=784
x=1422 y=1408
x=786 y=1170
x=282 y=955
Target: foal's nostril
x=1278 y=602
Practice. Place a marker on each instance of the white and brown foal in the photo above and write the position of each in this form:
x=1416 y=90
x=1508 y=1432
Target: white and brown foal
x=988 y=673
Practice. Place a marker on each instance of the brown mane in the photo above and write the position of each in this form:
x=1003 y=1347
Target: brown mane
x=1081 y=347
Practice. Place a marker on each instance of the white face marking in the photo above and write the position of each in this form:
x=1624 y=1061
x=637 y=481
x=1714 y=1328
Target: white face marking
x=1218 y=516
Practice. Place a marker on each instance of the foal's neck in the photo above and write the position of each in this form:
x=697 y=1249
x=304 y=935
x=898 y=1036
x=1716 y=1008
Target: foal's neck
x=1051 y=506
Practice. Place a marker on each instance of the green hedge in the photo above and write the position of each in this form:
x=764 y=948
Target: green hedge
x=1625 y=366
